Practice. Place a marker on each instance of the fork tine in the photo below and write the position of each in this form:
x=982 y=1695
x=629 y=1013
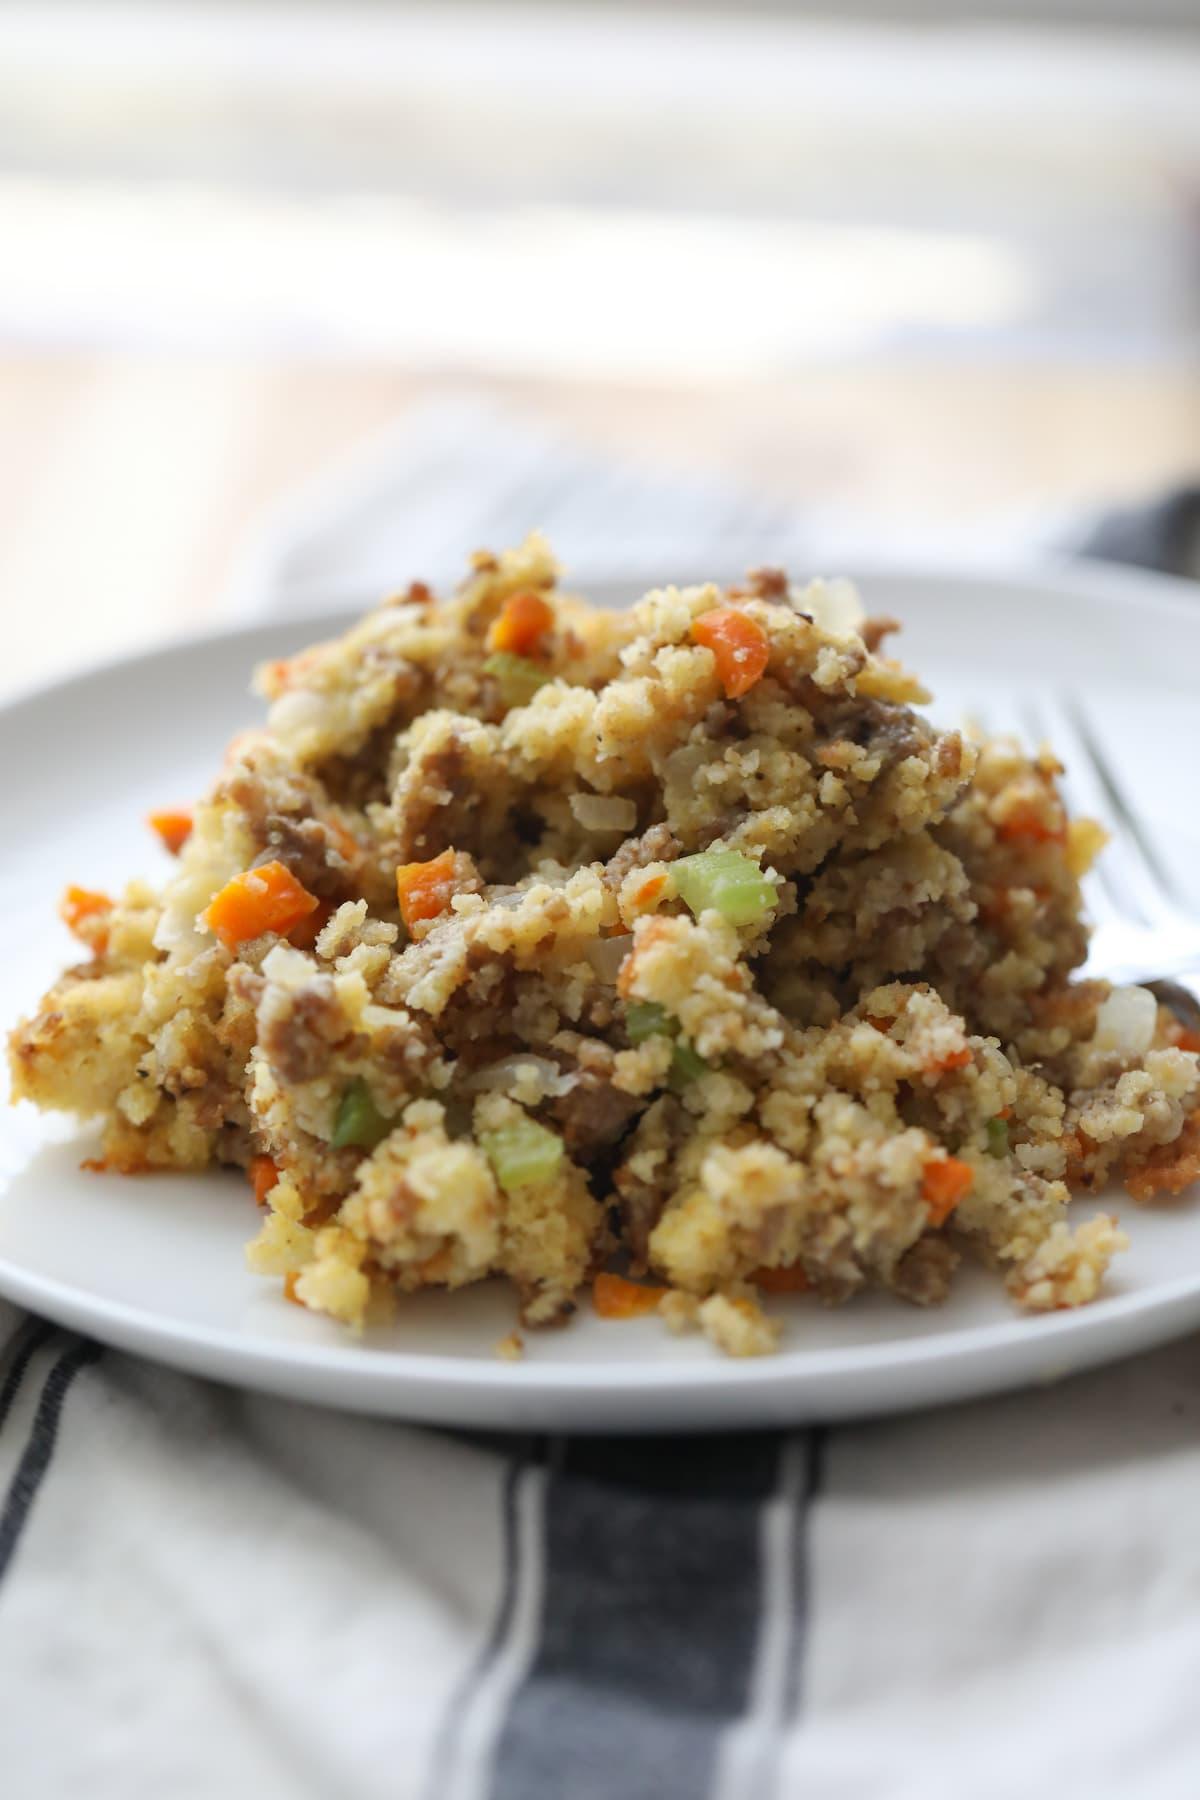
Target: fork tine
x=1106 y=903
x=1126 y=867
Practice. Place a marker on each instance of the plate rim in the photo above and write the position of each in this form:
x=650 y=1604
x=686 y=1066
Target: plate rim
x=67 y=1303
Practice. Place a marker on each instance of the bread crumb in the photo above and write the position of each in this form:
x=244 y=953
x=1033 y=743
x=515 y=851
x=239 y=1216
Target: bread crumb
x=678 y=1311
x=738 y=1326
x=1068 y=1266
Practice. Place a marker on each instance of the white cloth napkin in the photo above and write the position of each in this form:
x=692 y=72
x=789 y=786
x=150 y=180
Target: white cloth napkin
x=204 y=1592
x=465 y=473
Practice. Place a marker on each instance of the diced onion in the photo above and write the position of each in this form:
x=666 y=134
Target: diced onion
x=1126 y=1022
x=297 y=712
x=604 y=812
x=508 y=902
x=835 y=607
x=505 y=1073
x=606 y=956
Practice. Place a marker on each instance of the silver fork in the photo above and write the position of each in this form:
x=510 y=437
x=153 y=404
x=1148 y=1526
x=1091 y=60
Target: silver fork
x=1141 y=933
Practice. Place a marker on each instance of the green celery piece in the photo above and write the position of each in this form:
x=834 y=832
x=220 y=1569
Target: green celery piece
x=518 y=678
x=687 y=1065
x=646 y=1019
x=997 y=1137
x=359 y=1122
x=727 y=882
x=522 y=1155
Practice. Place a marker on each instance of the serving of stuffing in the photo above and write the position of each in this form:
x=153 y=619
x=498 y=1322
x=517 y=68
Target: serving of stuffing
x=669 y=959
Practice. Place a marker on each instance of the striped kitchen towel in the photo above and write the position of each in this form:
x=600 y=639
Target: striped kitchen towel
x=211 y=1593
x=204 y=1592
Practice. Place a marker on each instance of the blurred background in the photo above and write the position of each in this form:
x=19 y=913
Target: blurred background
x=890 y=279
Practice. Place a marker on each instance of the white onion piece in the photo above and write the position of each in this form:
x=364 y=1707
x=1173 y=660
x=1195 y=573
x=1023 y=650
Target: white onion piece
x=511 y=1069
x=298 y=711
x=835 y=607
x=186 y=897
x=604 y=812
x=1126 y=1022
x=606 y=956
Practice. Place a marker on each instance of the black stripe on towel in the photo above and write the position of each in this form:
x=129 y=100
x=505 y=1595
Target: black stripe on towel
x=35 y=1460
x=802 y=1565
x=650 y=1619
x=24 y=1344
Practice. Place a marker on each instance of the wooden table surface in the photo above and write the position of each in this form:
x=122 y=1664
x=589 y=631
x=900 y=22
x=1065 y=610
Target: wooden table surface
x=129 y=483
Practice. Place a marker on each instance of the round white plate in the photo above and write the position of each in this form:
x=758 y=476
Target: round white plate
x=154 y=1263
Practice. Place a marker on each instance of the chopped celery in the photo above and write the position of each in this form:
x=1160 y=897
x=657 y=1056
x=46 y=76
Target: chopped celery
x=522 y=1155
x=646 y=1019
x=686 y=1065
x=517 y=678
x=727 y=882
x=359 y=1121
x=997 y=1137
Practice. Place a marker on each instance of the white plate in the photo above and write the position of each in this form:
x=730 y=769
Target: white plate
x=154 y=1264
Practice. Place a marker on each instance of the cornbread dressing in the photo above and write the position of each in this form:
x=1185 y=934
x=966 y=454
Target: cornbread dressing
x=528 y=937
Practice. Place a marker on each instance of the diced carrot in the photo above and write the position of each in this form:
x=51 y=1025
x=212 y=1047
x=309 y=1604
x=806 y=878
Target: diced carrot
x=304 y=935
x=424 y=888
x=741 y=647
x=649 y=891
x=946 y=1181
x=1027 y=820
x=955 y=1059
x=615 y=1298
x=174 y=828
x=521 y=623
x=1006 y=1112
x=266 y=898
x=1188 y=1040
x=263 y=1175
x=788 y=1280
x=78 y=904
x=289 y=1288
x=117 y=1164
x=84 y=912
